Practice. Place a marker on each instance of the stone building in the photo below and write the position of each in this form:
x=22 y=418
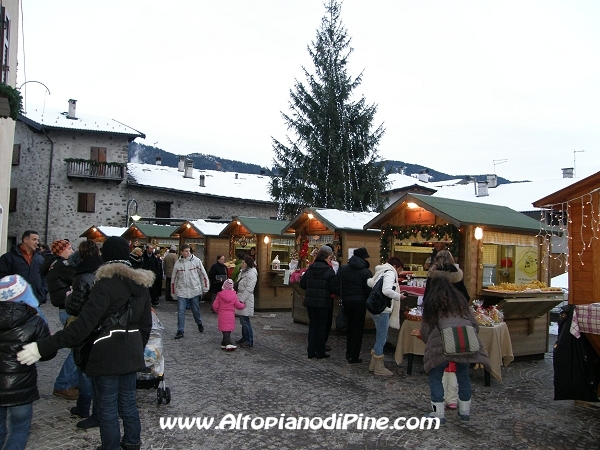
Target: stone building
x=69 y=171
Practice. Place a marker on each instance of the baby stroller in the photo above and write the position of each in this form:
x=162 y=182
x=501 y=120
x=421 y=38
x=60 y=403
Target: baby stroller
x=153 y=376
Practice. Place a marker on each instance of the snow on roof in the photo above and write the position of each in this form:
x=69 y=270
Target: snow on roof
x=112 y=231
x=560 y=281
x=351 y=220
x=517 y=196
x=48 y=117
x=208 y=228
x=216 y=183
x=399 y=181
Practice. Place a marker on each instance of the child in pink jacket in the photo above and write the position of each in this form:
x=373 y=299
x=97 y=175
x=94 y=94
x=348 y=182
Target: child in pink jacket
x=225 y=305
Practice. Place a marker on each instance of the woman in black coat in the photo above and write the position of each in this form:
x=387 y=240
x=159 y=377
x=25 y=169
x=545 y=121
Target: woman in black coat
x=319 y=283
x=217 y=274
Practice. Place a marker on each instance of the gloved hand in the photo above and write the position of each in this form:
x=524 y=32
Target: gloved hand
x=29 y=355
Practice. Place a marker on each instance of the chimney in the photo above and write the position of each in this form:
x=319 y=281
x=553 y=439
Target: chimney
x=72 y=109
x=202 y=180
x=492 y=180
x=218 y=166
x=482 y=189
x=181 y=163
x=423 y=176
x=567 y=172
x=189 y=169
x=262 y=171
x=158 y=160
x=236 y=176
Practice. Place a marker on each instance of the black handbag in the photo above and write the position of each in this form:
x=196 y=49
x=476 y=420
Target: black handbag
x=377 y=302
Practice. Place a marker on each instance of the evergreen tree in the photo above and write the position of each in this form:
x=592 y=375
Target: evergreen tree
x=332 y=162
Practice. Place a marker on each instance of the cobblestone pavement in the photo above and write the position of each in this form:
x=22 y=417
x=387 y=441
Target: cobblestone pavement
x=275 y=378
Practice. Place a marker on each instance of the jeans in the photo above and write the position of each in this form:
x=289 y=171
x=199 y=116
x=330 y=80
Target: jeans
x=317 y=324
x=69 y=373
x=382 y=322
x=462 y=376
x=85 y=394
x=355 y=312
x=14 y=426
x=116 y=397
x=247 y=334
x=194 y=306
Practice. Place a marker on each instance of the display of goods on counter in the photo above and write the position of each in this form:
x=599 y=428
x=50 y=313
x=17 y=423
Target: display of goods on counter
x=487 y=317
x=537 y=286
x=415 y=314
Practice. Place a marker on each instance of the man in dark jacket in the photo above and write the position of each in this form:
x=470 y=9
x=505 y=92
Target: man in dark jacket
x=25 y=261
x=60 y=273
x=353 y=289
x=319 y=284
x=19 y=324
x=152 y=263
x=118 y=353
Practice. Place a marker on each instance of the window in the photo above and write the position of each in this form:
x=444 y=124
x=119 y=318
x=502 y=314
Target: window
x=98 y=154
x=5 y=45
x=163 y=209
x=12 y=205
x=86 y=202
x=16 y=156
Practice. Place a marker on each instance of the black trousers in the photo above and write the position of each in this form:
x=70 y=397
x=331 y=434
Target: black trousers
x=355 y=312
x=317 y=323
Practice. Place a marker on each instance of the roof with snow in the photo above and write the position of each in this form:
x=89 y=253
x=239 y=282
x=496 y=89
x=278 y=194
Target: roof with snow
x=142 y=230
x=216 y=183
x=255 y=225
x=100 y=233
x=47 y=117
x=334 y=219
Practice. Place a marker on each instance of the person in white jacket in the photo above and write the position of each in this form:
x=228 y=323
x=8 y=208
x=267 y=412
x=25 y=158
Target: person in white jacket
x=391 y=289
x=188 y=282
x=246 y=284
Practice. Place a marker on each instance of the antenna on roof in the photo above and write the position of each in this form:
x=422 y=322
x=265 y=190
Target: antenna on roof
x=497 y=162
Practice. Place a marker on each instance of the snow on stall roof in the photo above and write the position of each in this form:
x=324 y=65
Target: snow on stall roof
x=112 y=231
x=208 y=228
x=561 y=281
x=517 y=196
x=350 y=220
x=217 y=183
x=54 y=118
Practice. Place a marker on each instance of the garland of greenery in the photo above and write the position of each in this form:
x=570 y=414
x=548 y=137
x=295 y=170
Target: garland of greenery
x=15 y=101
x=428 y=232
x=94 y=162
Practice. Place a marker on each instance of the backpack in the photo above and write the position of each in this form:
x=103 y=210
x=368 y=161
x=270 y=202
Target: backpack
x=377 y=302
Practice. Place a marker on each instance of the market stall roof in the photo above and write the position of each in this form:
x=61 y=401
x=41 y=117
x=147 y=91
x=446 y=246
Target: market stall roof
x=333 y=219
x=586 y=186
x=254 y=225
x=459 y=212
x=100 y=233
x=142 y=230
x=200 y=227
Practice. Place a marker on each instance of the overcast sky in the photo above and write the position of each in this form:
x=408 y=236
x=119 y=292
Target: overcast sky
x=459 y=84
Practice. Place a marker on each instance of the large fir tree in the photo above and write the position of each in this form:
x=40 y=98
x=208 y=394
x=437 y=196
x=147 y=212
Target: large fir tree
x=332 y=161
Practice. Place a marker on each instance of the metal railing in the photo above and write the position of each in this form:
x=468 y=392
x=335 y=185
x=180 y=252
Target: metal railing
x=94 y=169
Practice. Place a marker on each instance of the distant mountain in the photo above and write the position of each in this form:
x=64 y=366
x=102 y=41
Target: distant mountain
x=141 y=153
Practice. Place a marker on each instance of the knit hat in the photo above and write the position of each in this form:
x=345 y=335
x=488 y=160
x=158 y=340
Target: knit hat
x=14 y=288
x=228 y=284
x=59 y=245
x=174 y=247
x=361 y=252
x=115 y=248
x=327 y=249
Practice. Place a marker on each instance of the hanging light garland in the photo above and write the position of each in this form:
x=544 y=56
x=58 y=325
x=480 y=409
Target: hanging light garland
x=390 y=233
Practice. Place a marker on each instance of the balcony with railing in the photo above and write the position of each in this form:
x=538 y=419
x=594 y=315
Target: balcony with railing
x=79 y=168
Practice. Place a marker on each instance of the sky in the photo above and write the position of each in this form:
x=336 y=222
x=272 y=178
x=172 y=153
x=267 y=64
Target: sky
x=458 y=84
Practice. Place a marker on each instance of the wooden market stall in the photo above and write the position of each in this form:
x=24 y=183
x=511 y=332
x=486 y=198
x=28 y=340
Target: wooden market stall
x=315 y=227
x=204 y=238
x=579 y=206
x=492 y=245
x=100 y=233
x=160 y=236
x=263 y=239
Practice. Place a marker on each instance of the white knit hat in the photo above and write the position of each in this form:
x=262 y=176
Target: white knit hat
x=14 y=288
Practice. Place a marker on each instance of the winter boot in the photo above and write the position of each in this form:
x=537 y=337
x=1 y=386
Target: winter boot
x=372 y=365
x=380 y=367
x=83 y=406
x=464 y=408
x=438 y=411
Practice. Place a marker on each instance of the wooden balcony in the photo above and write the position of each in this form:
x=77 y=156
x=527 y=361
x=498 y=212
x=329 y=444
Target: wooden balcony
x=96 y=170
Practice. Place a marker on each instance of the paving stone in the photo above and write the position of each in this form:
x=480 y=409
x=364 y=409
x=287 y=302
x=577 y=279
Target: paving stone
x=275 y=377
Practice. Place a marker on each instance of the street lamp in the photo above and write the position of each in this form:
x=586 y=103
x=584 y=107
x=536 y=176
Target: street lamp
x=135 y=217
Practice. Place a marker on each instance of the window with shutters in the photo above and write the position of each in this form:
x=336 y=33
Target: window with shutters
x=12 y=205
x=163 y=210
x=86 y=202
x=16 y=156
x=4 y=45
x=98 y=154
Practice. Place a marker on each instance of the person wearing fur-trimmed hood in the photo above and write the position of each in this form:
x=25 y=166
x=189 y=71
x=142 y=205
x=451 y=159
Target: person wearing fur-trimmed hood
x=118 y=353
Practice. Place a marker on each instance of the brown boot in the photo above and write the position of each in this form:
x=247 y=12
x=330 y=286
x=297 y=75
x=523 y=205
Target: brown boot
x=372 y=365
x=380 y=367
